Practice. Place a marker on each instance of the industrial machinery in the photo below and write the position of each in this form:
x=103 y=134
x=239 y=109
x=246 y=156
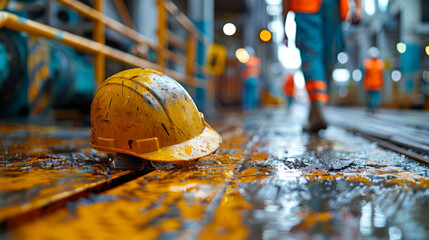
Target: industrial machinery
x=54 y=54
x=38 y=75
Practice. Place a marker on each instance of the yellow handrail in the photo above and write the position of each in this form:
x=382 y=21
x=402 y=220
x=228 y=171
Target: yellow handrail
x=13 y=22
x=95 y=15
x=185 y=22
x=98 y=36
x=165 y=37
x=162 y=29
x=123 y=13
x=100 y=51
x=174 y=40
x=189 y=46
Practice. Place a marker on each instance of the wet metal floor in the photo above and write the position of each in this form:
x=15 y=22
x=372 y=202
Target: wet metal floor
x=269 y=180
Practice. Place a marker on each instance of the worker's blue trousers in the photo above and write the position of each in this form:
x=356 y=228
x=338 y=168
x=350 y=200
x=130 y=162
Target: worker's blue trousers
x=250 y=93
x=319 y=38
x=373 y=99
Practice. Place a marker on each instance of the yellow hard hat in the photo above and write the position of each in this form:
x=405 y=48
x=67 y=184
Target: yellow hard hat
x=144 y=113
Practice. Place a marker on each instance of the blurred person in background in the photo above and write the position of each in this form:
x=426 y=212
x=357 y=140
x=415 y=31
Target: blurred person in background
x=319 y=38
x=373 y=79
x=289 y=88
x=251 y=74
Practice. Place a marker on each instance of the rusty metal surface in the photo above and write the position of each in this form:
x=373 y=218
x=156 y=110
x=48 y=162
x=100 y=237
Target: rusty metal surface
x=268 y=181
x=43 y=165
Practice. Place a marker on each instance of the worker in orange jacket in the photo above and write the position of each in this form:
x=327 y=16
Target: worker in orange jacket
x=373 y=79
x=289 y=88
x=319 y=39
x=251 y=75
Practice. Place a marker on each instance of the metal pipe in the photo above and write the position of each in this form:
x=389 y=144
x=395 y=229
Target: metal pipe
x=181 y=18
x=21 y=24
x=98 y=36
x=16 y=23
x=174 y=56
x=123 y=13
x=162 y=31
x=190 y=55
x=95 y=15
x=174 y=40
x=185 y=22
x=98 y=16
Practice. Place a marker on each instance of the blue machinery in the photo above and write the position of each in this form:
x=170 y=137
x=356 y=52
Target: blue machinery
x=29 y=65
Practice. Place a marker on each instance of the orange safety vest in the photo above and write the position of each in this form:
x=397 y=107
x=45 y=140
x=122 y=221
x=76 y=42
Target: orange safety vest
x=312 y=6
x=252 y=68
x=289 y=86
x=373 y=79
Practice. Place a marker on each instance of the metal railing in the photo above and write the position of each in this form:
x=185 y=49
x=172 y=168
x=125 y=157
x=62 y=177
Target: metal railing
x=100 y=51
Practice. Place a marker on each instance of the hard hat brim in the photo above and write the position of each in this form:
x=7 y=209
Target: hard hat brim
x=202 y=145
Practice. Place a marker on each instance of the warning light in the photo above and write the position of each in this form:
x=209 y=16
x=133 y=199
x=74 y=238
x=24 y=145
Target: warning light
x=427 y=50
x=265 y=35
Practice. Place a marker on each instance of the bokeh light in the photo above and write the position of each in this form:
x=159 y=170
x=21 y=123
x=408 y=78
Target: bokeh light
x=277 y=28
x=273 y=2
x=427 y=50
x=242 y=55
x=373 y=52
x=229 y=29
x=342 y=57
x=341 y=75
x=289 y=57
x=265 y=35
x=401 y=47
x=383 y=5
x=299 y=80
x=369 y=7
x=274 y=10
x=290 y=28
x=357 y=75
x=396 y=75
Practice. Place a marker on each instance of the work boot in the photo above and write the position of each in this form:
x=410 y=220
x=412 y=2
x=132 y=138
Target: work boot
x=316 y=118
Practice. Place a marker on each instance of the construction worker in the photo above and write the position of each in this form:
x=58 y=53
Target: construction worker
x=319 y=38
x=373 y=79
x=289 y=88
x=251 y=74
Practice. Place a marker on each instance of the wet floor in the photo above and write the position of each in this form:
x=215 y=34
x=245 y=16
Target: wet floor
x=269 y=180
x=42 y=167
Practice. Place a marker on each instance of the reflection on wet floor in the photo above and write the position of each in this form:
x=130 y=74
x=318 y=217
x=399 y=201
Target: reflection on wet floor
x=269 y=180
x=43 y=167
